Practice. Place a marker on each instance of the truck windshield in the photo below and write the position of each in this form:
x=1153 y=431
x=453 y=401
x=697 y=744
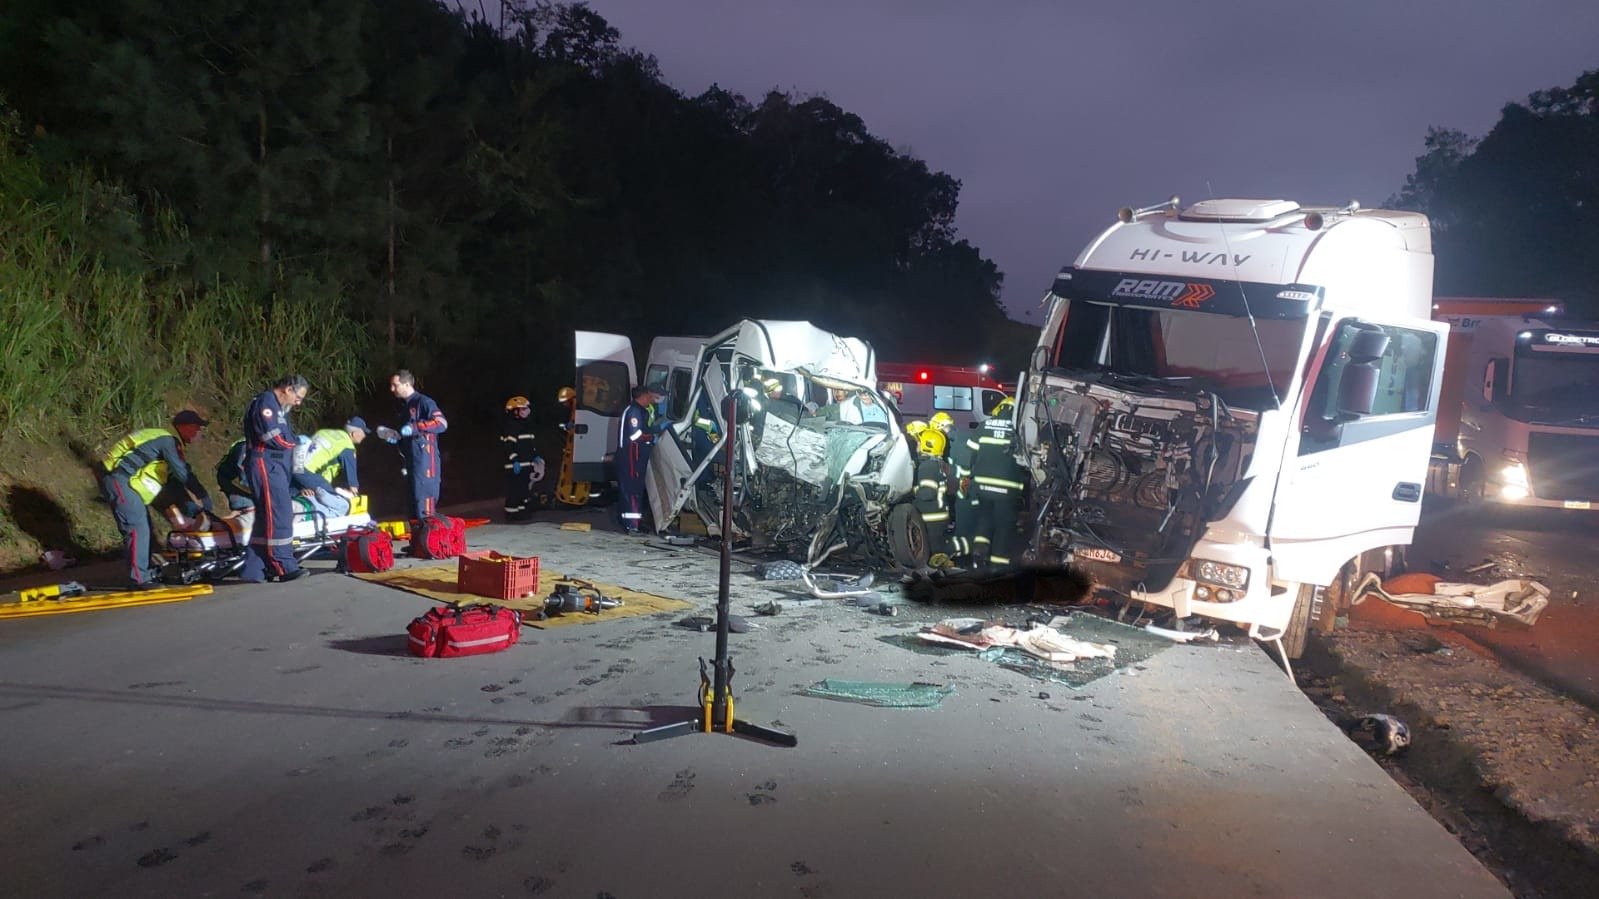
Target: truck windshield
x=1200 y=350
x=1560 y=386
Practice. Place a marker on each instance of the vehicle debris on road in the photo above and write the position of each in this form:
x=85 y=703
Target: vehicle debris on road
x=1517 y=600
x=1040 y=640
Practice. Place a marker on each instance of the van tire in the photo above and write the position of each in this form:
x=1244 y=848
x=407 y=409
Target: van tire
x=1298 y=630
x=1473 y=485
x=907 y=536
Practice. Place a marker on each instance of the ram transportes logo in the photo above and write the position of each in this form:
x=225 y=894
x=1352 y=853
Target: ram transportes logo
x=1181 y=294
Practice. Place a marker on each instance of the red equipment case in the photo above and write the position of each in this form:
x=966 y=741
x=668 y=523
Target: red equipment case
x=448 y=631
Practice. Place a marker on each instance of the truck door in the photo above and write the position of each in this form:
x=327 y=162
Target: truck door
x=605 y=379
x=1366 y=415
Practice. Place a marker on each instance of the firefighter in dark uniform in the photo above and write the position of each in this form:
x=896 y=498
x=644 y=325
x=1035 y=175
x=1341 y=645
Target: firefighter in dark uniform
x=230 y=477
x=932 y=482
x=419 y=443
x=634 y=443
x=269 y=443
x=963 y=497
x=138 y=468
x=996 y=487
x=523 y=464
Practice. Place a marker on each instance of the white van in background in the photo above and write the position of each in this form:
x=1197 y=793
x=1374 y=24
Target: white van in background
x=606 y=373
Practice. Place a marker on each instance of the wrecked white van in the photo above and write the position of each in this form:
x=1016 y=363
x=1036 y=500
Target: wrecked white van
x=813 y=477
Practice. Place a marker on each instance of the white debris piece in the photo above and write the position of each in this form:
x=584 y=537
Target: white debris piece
x=1516 y=600
x=1041 y=641
x=1184 y=636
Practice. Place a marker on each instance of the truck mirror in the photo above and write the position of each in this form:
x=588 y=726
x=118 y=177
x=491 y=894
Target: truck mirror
x=1494 y=386
x=1357 y=387
x=1368 y=344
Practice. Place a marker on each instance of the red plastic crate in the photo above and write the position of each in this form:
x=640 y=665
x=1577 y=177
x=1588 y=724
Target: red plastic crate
x=488 y=573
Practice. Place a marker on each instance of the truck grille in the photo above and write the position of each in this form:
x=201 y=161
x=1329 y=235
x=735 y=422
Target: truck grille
x=1563 y=466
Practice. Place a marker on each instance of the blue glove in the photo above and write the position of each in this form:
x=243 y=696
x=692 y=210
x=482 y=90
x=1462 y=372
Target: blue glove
x=407 y=431
x=302 y=440
x=516 y=468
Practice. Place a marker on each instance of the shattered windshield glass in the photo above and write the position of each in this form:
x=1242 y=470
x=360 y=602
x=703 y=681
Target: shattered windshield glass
x=1198 y=350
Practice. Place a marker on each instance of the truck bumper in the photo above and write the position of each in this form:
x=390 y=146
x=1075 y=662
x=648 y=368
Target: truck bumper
x=1259 y=606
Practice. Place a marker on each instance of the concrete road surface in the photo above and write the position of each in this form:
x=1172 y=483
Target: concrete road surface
x=277 y=741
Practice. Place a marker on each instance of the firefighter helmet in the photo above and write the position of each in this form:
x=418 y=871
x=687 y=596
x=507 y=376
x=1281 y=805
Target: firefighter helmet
x=566 y=395
x=915 y=428
x=942 y=421
x=517 y=402
x=932 y=442
x=1002 y=409
x=771 y=386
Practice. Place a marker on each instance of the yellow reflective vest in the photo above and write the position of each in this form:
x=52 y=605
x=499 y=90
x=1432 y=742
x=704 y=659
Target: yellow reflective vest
x=151 y=471
x=326 y=447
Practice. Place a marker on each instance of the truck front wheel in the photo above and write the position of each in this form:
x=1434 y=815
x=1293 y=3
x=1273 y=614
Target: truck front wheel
x=1298 y=629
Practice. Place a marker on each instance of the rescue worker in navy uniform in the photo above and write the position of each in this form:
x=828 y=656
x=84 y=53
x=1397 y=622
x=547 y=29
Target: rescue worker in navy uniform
x=634 y=443
x=523 y=464
x=419 y=443
x=138 y=468
x=996 y=487
x=269 y=442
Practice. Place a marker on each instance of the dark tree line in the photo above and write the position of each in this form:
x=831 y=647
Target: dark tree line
x=471 y=191
x=1516 y=212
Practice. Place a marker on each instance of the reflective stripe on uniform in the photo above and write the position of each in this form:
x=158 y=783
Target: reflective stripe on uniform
x=997 y=484
x=632 y=515
x=998 y=560
x=929 y=483
x=994 y=441
x=935 y=516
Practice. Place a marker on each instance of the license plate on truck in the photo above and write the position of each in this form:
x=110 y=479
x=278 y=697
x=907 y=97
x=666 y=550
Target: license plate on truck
x=1577 y=504
x=1097 y=554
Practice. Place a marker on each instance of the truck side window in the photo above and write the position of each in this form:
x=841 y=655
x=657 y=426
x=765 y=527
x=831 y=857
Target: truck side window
x=1404 y=385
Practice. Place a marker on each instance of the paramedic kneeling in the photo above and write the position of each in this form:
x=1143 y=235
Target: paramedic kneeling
x=140 y=466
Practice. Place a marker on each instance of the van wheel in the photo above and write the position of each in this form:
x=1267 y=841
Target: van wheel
x=907 y=536
x=1299 y=622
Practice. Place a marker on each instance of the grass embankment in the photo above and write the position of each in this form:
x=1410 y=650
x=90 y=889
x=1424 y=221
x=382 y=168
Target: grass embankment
x=104 y=328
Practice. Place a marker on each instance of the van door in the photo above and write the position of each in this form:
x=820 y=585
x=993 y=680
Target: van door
x=1365 y=440
x=606 y=374
x=673 y=472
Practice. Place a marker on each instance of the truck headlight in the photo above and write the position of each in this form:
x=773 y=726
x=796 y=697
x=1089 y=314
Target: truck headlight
x=1219 y=573
x=1514 y=475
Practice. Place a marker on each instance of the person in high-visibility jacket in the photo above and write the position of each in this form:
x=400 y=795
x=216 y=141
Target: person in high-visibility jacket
x=997 y=483
x=269 y=444
x=137 y=469
x=523 y=464
x=634 y=442
x=330 y=479
x=419 y=442
x=932 y=484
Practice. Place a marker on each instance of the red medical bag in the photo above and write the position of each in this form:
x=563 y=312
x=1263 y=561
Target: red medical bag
x=365 y=549
x=438 y=537
x=448 y=631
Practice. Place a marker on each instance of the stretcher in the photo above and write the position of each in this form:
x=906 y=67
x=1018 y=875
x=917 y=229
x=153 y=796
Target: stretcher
x=210 y=548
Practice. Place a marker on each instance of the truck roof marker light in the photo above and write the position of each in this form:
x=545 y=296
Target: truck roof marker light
x=1551 y=309
x=1314 y=221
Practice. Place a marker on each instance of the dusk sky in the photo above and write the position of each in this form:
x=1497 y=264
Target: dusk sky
x=1053 y=115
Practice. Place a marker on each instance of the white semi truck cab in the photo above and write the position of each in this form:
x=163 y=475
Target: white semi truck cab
x=1231 y=406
